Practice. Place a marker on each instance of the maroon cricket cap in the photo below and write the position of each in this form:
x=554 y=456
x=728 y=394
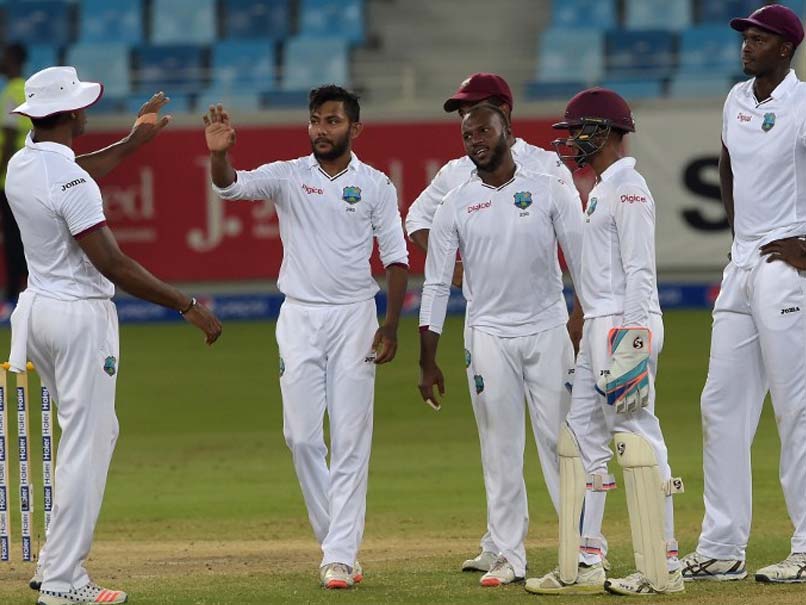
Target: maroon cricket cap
x=598 y=103
x=774 y=18
x=478 y=87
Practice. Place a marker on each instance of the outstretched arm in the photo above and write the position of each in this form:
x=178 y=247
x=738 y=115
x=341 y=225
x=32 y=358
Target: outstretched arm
x=147 y=126
x=220 y=137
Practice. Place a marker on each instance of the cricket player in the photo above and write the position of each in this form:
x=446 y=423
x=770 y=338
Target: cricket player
x=614 y=391
x=759 y=326
x=65 y=322
x=506 y=221
x=330 y=205
x=493 y=89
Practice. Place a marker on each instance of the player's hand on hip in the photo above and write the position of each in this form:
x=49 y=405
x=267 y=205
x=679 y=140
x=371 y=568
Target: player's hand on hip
x=204 y=319
x=626 y=384
x=149 y=123
x=385 y=344
x=791 y=250
x=218 y=131
x=430 y=376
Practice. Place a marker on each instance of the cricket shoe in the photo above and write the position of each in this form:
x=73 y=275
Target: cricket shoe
x=590 y=579
x=791 y=570
x=91 y=593
x=36 y=580
x=638 y=584
x=358 y=573
x=336 y=575
x=483 y=562
x=700 y=567
x=500 y=573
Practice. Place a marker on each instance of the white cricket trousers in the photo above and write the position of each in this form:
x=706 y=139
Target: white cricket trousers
x=758 y=344
x=71 y=343
x=326 y=364
x=593 y=422
x=502 y=373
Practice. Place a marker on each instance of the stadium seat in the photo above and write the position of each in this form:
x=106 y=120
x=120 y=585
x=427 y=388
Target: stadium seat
x=175 y=69
x=333 y=18
x=106 y=63
x=111 y=21
x=41 y=56
x=570 y=55
x=38 y=22
x=643 y=54
x=179 y=103
x=722 y=11
x=584 y=13
x=183 y=21
x=541 y=91
x=246 y=19
x=108 y=105
x=243 y=66
x=241 y=101
x=310 y=62
x=709 y=49
x=636 y=89
x=657 y=14
x=689 y=86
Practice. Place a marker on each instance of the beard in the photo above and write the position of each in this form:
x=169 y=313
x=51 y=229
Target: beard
x=338 y=148
x=496 y=157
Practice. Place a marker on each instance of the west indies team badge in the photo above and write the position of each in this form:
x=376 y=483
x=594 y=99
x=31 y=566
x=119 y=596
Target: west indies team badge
x=769 y=122
x=110 y=365
x=351 y=195
x=523 y=199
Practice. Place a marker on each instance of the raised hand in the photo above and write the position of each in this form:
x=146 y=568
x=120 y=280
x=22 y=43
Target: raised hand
x=149 y=123
x=218 y=131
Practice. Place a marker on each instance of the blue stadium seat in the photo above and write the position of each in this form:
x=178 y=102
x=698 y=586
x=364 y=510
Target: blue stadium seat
x=310 y=62
x=689 y=86
x=633 y=55
x=245 y=66
x=657 y=14
x=39 y=22
x=108 y=105
x=333 y=18
x=584 y=13
x=245 y=19
x=41 y=56
x=636 y=89
x=111 y=21
x=541 y=91
x=183 y=21
x=241 y=101
x=709 y=49
x=722 y=11
x=570 y=54
x=179 y=103
x=175 y=69
x=106 y=63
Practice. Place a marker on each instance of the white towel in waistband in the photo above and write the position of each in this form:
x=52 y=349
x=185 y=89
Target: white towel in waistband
x=18 y=357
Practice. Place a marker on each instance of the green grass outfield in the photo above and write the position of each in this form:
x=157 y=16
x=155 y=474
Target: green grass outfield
x=202 y=505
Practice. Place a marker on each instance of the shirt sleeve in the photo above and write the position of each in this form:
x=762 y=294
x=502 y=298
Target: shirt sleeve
x=634 y=215
x=443 y=242
x=725 y=110
x=421 y=212
x=262 y=183
x=388 y=227
x=79 y=203
x=568 y=224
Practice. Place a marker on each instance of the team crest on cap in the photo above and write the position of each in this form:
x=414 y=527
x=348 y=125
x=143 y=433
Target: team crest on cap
x=769 y=122
x=479 y=380
x=351 y=195
x=523 y=199
x=110 y=365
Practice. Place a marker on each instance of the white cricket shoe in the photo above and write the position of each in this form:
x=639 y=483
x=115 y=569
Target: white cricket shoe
x=91 y=593
x=638 y=584
x=791 y=570
x=358 y=572
x=700 y=567
x=483 y=562
x=336 y=575
x=500 y=573
x=590 y=579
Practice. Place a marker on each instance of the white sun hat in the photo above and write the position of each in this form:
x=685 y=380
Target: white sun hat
x=56 y=90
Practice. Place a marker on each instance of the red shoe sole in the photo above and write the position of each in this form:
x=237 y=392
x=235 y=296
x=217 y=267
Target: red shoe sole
x=357 y=579
x=491 y=582
x=333 y=584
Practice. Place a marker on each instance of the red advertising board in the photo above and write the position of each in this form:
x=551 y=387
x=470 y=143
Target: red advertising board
x=161 y=208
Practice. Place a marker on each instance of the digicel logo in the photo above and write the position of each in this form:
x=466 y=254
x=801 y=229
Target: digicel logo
x=310 y=190
x=479 y=206
x=632 y=198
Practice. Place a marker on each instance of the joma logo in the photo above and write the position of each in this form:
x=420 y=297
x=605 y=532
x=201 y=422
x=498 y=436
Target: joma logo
x=790 y=310
x=67 y=186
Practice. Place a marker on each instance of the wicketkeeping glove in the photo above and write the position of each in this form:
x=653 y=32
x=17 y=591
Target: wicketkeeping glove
x=627 y=384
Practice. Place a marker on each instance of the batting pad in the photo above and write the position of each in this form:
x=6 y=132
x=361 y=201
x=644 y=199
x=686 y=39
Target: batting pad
x=572 y=497
x=646 y=506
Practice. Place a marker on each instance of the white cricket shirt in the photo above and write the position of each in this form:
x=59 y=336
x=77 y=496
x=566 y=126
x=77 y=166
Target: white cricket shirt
x=456 y=172
x=327 y=225
x=767 y=146
x=618 y=247
x=508 y=240
x=56 y=202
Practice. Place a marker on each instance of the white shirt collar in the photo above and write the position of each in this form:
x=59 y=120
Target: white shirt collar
x=616 y=167
x=353 y=165
x=784 y=87
x=50 y=146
